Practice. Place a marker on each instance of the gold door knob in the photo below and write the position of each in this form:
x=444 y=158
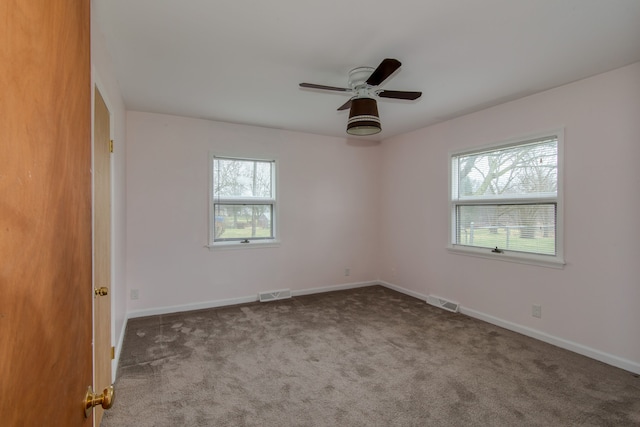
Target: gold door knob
x=92 y=399
x=101 y=291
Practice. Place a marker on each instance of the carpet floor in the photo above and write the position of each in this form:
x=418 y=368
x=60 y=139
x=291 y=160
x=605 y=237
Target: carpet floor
x=362 y=357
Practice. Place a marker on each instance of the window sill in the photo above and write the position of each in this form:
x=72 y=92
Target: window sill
x=224 y=246
x=530 y=259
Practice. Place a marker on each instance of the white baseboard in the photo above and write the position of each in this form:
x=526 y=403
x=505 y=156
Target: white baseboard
x=332 y=288
x=240 y=300
x=116 y=361
x=191 y=306
x=403 y=290
x=609 y=359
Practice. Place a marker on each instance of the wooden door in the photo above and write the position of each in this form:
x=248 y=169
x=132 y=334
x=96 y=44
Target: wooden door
x=45 y=212
x=102 y=248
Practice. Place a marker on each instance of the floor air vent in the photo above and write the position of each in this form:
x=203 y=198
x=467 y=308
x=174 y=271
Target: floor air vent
x=274 y=295
x=443 y=303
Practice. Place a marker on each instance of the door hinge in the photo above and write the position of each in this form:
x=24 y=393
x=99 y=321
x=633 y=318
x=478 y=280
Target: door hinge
x=111 y=146
x=113 y=353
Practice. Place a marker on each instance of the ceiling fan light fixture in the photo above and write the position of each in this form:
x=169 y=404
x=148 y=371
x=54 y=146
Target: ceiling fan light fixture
x=363 y=117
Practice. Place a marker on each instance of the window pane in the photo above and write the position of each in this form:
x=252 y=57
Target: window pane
x=242 y=178
x=524 y=228
x=240 y=222
x=523 y=171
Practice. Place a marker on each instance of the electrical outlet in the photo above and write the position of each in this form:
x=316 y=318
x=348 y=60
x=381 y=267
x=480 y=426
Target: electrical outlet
x=347 y=271
x=536 y=311
x=135 y=294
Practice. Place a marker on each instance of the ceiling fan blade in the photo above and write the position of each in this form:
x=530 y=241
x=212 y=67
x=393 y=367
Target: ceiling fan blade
x=345 y=106
x=387 y=67
x=399 y=94
x=323 y=87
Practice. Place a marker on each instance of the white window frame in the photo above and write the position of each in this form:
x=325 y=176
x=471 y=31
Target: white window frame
x=554 y=261
x=273 y=201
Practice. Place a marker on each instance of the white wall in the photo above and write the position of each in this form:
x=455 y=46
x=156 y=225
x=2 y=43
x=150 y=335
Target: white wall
x=593 y=300
x=328 y=194
x=104 y=78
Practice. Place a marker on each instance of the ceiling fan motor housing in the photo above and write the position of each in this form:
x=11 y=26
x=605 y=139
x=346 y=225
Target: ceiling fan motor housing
x=358 y=76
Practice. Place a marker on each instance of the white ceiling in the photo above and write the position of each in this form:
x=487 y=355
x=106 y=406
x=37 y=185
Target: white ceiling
x=241 y=61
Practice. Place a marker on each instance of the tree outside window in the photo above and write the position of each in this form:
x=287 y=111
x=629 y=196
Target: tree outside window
x=243 y=199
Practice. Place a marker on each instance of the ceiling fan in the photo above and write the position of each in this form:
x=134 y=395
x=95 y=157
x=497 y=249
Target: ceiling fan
x=363 y=82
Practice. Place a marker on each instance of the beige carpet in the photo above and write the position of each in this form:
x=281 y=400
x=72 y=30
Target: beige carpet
x=363 y=357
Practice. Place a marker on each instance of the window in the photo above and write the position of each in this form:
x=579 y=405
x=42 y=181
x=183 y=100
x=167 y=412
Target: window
x=243 y=201
x=505 y=201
